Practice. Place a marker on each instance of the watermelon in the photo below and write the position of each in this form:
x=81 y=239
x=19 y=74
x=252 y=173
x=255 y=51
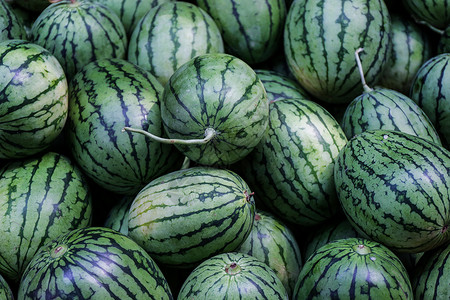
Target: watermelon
x=171 y=34
x=40 y=199
x=384 y=108
x=11 y=26
x=33 y=99
x=433 y=13
x=251 y=29
x=214 y=110
x=232 y=276
x=432 y=93
x=291 y=169
x=186 y=216
x=78 y=32
x=432 y=275
x=411 y=47
x=272 y=242
x=395 y=189
x=279 y=86
x=131 y=11
x=320 y=38
x=353 y=268
x=106 y=95
x=93 y=263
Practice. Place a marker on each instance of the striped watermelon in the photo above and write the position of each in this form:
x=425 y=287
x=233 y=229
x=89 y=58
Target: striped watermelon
x=214 y=109
x=272 y=242
x=430 y=90
x=353 y=268
x=33 y=99
x=93 y=263
x=279 y=86
x=5 y=290
x=105 y=96
x=383 y=108
x=432 y=276
x=395 y=189
x=433 y=13
x=186 y=216
x=411 y=47
x=320 y=38
x=291 y=169
x=232 y=276
x=78 y=32
x=251 y=29
x=171 y=34
x=40 y=199
x=11 y=26
x=131 y=11
x=117 y=218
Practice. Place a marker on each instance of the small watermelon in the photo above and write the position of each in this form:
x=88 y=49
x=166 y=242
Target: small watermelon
x=11 y=26
x=93 y=263
x=433 y=13
x=233 y=276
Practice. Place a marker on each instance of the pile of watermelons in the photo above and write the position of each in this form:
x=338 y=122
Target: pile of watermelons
x=232 y=149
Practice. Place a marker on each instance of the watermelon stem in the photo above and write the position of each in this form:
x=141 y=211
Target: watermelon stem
x=210 y=133
x=367 y=89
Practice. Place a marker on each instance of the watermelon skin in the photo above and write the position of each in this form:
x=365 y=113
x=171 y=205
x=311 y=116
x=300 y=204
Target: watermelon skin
x=397 y=182
x=432 y=13
x=171 y=34
x=93 y=263
x=291 y=169
x=411 y=48
x=279 y=86
x=131 y=11
x=79 y=32
x=353 y=268
x=251 y=30
x=33 y=99
x=11 y=26
x=221 y=92
x=388 y=109
x=105 y=96
x=216 y=278
x=186 y=216
x=431 y=92
x=117 y=218
x=41 y=198
x=272 y=242
x=320 y=39
x=431 y=276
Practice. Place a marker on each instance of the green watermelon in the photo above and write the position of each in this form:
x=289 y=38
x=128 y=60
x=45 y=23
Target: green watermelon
x=251 y=29
x=291 y=169
x=353 y=268
x=320 y=39
x=432 y=93
x=411 y=47
x=33 y=99
x=272 y=242
x=131 y=11
x=11 y=26
x=40 y=199
x=384 y=108
x=214 y=109
x=395 y=189
x=232 y=276
x=93 y=263
x=105 y=96
x=433 y=13
x=171 y=34
x=78 y=32
x=431 y=276
x=186 y=216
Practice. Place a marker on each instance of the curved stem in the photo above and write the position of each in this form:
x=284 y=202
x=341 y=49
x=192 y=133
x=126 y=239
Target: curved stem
x=367 y=89
x=209 y=135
